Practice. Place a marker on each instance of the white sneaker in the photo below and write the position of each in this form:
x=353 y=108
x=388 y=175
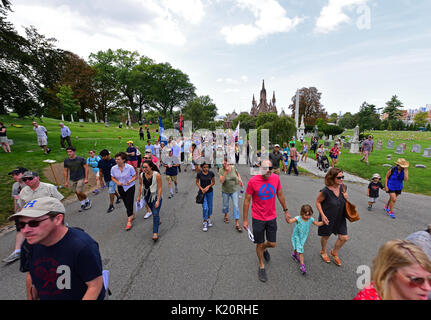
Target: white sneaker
x=205 y=228
x=148 y=214
x=210 y=224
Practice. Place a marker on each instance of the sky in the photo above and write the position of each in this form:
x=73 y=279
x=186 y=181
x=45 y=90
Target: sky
x=350 y=50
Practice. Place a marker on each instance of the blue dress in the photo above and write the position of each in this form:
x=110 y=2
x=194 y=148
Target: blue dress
x=300 y=233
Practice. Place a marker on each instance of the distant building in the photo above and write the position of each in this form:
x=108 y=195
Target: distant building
x=263 y=106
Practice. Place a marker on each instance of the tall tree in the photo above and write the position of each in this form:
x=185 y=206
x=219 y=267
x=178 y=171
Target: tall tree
x=171 y=88
x=68 y=102
x=368 y=118
x=393 y=108
x=347 y=121
x=105 y=83
x=309 y=105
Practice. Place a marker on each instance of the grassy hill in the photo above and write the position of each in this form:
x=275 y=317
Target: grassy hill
x=26 y=152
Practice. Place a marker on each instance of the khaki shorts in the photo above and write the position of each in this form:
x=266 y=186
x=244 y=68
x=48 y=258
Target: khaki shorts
x=77 y=186
x=42 y=141
x=171 y=178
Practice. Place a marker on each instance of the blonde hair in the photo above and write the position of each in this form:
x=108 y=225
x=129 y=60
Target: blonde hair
x=393 y=255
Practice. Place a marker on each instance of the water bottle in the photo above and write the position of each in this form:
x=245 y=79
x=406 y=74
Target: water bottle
x=241 y=192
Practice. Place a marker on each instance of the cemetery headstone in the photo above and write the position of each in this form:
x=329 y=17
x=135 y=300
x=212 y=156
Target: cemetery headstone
x=390 y=145
x=427 y=153
x=389 y=157
x=347 y=145
x=81 y=120
x=416 y=148
x=379 y=145
x=421 y=166
x=327 y=144
x=404 y=146
x=399 y=149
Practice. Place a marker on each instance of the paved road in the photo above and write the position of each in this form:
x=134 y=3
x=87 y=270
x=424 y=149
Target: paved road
x=187 y=263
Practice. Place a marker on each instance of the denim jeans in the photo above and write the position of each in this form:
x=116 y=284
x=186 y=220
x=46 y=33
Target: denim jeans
x=293 y=166
x=156 y=215
x=207 y=206
x=234 y=197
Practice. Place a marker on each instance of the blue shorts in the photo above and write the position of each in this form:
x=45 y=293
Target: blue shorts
x=111 y=186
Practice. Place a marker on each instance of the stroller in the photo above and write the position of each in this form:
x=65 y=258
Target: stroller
x=323 y=163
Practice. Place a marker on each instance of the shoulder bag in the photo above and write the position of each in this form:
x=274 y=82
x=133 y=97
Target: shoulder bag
x=350 y=210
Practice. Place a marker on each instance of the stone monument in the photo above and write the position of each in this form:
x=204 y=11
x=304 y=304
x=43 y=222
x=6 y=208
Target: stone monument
x=427 y=153
x=390 y=145
x=379 y=145
x=416 y=148
x=399 y=149
x=354 y=148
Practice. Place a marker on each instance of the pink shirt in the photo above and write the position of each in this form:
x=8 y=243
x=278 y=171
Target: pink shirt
x=263 y=193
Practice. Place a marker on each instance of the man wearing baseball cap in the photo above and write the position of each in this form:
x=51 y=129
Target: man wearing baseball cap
x=276 y=156
x=16 y=189
x=61 y=263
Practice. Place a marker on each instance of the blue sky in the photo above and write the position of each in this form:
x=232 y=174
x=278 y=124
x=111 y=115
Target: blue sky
x=351 y=50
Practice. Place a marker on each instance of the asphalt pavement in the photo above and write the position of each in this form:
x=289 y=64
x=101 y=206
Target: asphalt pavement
x=221 y=264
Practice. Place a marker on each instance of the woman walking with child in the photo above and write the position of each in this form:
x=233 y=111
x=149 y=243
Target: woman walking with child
x=331 y=203
x=300 y=233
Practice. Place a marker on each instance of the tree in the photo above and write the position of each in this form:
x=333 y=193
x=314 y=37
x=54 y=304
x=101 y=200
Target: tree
x=68 y=102
x=347 y=121
x=309 y=105
x=421 y=119
x=201 y=111
x=333 y=118
x=104 y=82
x=368 y=118
x=393 y=108
x=281 y=129
x=246 y=122
x=170 y=88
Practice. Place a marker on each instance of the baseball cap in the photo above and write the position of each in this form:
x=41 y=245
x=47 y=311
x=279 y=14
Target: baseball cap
x=104 y=153
x=29 y=174
x=277 y=145
x=376 y=175
x=18 y=170
x=40 y=207
x=130 y=141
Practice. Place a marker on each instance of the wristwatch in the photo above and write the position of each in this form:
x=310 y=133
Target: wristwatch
x=285 y=210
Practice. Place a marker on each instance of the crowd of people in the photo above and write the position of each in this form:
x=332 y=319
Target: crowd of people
x=39 y=214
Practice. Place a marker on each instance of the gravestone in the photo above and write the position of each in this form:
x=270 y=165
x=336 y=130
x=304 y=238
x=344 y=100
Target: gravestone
x=404 y=146
x=390 y=145
x=10 y=142
x=327 y=144
x=417 y=148
x=427 y=153
x=389 y=157
x=81 y=120
x=379 y=145
x=330 y=137
x=421 y=166
x=347 y=145
x=90 y=120
x=387 y=165
x=354 y=148
x=399 y=150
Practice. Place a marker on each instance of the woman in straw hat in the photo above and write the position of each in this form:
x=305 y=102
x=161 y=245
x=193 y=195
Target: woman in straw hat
x=394 y=183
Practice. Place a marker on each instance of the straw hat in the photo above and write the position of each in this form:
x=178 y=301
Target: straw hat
x=403 y=163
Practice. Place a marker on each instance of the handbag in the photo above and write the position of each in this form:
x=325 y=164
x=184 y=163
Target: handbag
x=200 y=197
x=350 y=209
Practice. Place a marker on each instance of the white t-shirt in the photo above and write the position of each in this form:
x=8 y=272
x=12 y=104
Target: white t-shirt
x=40 y=131
x=43 y=190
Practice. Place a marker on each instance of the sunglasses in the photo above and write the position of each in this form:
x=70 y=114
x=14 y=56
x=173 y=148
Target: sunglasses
x=267 y=168
x=27 y=179
x=416 y=281
x=32 y=224
x=339 y=178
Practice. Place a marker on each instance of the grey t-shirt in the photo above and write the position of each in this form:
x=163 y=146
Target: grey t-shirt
x=275 y=159
x=40 y=131
x=76 y=168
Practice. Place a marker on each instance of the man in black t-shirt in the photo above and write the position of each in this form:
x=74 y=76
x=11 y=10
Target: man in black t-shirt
x=105 y=166
x=61 y=263
x=76 y=169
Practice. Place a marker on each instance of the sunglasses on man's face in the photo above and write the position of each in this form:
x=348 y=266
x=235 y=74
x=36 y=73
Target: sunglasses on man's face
x=267 y=168
x=32 y=223
x=27 y=179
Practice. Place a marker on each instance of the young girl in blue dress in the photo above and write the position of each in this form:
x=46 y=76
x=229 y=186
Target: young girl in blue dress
x=300 y=233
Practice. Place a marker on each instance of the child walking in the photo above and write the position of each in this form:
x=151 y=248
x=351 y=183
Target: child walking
x=373 y=190
x=300 y=234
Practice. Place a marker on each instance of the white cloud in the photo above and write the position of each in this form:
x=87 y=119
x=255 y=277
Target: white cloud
x=270 y=19
x=332 y=14
x=244 y=78
x=191 y=10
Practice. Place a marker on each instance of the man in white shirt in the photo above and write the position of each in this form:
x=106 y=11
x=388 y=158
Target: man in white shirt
x=42 y=138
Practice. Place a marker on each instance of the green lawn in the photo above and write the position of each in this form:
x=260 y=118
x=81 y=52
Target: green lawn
x=419 y=179
x=85 y=136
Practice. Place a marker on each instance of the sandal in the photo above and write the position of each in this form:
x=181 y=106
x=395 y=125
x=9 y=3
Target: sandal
x=226 y=220
x=325 y=257
x=129 y=226
x=337 y=260
x=155 y=238
x=238 y=228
